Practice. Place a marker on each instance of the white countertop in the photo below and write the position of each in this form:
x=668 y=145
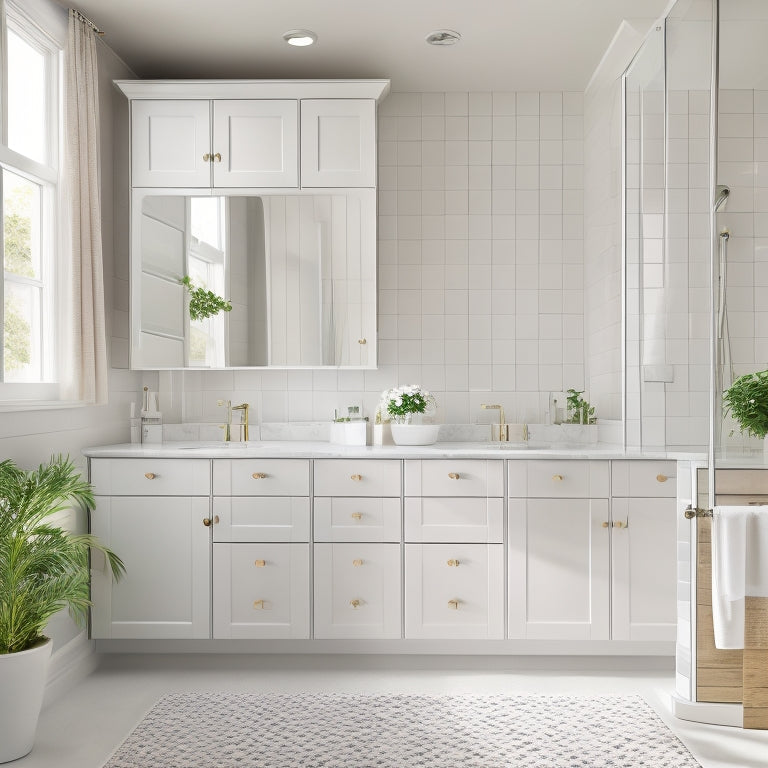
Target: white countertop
x=303 y=449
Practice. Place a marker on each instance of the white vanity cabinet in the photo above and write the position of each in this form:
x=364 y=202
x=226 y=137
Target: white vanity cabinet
x=454 y=552
x=155 y=513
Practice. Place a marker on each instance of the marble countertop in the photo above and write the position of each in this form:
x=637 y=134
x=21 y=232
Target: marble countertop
x=312 y=449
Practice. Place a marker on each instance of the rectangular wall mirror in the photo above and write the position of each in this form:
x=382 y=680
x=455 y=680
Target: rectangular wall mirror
x=299 y=271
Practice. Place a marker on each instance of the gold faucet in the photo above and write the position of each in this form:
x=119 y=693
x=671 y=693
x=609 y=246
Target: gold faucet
x=500 y=431
x=243 y=420
x=228 y=426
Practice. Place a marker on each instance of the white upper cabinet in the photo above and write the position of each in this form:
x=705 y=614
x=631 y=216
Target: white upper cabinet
x=338 y=140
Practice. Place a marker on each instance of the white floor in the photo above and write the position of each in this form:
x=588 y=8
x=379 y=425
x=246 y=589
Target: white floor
x=84 y=726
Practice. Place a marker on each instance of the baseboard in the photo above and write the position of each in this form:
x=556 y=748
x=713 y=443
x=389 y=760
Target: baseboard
x=69 y=664
x=712 y=713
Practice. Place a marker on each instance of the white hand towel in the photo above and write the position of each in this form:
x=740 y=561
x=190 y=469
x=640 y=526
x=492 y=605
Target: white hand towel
x=739 y=568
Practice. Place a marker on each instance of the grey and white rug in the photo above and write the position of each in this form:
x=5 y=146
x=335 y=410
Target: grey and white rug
x=232 y=730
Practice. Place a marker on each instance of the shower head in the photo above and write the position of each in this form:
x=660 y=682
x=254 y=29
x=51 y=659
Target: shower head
x=721 y=195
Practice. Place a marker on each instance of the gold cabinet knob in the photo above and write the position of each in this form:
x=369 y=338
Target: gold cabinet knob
x=357 y=563
x=356 y=478
x=620 y=524
x=357 y=515
x=453 y=475
x=362 y=341
x=260 y=563
x=355 y=603
x=150 y=475
x=207 y=522
x=662 y=478
x=454 y=604
x=217 y=157
x=557 y=478
x=259 y=475
x=606 y=524
x=453 y=563
x=215 y=519
x=207 y=157
x=258 y=604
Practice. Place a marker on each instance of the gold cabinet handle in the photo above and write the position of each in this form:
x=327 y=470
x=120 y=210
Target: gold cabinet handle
x=454 y=604
x=355 y=603
x=362 y=341
x=357 y=563
x=207 y=157
x=453 y=563
x=150 y=475
x=260 y=563
x=216 y=520
x=662 y=478
x=357 y=515
x=207 y=522
x=620 y=524
x=356 y=478
x=259 y=475
x=453 y=475
x=258 y=604
x=606 y=524
x=557 y=478
x=217 y=157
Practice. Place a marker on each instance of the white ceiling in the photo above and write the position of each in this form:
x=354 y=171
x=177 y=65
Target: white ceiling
x=506 y=44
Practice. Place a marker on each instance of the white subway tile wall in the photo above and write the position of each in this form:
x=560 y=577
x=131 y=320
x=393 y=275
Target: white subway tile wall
x=481 y=265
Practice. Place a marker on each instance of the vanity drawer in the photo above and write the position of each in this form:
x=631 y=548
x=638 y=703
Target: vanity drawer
x=261 y=477
x=454 y=520
x=261 y=518
x=357 y=519
x=452 y=477
x=357 y=477
x=561 y=479
x=642 y=478
x=151 y=477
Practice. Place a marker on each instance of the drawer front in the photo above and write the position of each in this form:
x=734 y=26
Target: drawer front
x=449 y=477
x=151 y=477
x=454 y=591
x=261 y=518
x=454 y=520
x=261 y=590
x=561 y=479
x=639 y=479
x=357 y=590
x=357 y=519
x=261 y=477
x=357 y=477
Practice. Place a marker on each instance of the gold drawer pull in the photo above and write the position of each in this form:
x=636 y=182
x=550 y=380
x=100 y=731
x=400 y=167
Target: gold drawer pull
x=620 y=524
x=355 y=603
x=356 y=478
x=453 y=563
x=453 y=475
x=557 y=478
x=662 y=478
x=606 y=524
x=362 y=341
x=357 y=563
x=259 y=604
x=207 y=157
x=150 y=475
x=260 y=563
x=207 y=522
x=259 y=475
x=217 y=157
x=454 y=604
x=357 y=515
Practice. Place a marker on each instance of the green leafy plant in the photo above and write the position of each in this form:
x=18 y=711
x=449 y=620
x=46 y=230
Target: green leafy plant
x=406 y=400
x=747 y=401
x=43 y=568
x=202 y=302
x=579 y=410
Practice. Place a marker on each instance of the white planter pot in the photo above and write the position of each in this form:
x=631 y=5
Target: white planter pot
x=22 y=684
x=414 y=434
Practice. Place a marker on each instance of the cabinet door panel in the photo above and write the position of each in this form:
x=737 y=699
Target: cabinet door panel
x=169 y=140
x=357 y=590
x=257 y=141
x=261 y=590
x=454 y=591
x=558 y=569
x=165 y=592
x=644 y=560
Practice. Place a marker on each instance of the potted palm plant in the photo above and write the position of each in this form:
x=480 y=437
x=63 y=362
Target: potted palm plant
x=43 y=568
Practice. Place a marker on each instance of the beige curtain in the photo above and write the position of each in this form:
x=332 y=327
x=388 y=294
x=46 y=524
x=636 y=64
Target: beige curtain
x=84 y=363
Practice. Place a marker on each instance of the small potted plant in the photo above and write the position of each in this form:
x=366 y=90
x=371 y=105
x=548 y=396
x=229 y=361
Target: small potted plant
x=43 y=568
x=399 y=406
x=746 y=400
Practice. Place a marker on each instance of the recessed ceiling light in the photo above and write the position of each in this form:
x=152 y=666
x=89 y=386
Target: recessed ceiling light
x=443 y=37
x=300 y=37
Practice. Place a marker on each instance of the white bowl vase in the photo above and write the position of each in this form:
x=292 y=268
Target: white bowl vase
x=414 y=434
x=23 y=676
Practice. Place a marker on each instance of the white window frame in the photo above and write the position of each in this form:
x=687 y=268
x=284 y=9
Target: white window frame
x=47 y=175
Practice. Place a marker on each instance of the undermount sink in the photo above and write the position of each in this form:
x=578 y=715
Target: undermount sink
x=215 y=445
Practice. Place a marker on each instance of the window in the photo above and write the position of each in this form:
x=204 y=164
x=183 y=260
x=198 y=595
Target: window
x=29 y=174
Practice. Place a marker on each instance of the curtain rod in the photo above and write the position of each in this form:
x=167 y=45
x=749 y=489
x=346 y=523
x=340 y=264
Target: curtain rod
x=87 y=21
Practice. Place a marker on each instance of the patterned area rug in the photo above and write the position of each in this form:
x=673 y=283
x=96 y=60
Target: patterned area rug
x=227 y=730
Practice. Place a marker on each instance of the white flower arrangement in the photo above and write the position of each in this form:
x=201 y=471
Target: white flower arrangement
x=400 y=403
